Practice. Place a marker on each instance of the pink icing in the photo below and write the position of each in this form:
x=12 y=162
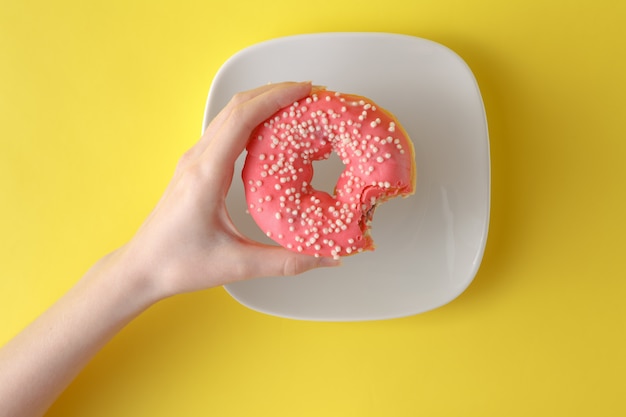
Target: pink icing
x=379 y=164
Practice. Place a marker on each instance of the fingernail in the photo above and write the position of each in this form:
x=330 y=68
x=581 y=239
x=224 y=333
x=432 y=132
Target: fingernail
x=317 y=88
x=330 y=262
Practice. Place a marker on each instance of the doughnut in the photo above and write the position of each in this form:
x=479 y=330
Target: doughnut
x=379 y=164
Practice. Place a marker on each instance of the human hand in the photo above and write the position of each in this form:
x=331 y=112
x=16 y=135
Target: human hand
x=189 y=241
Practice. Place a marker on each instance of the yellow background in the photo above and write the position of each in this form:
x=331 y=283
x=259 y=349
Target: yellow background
x=99 y=99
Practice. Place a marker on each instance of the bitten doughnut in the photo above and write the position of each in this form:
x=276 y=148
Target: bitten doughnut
x=379 y=164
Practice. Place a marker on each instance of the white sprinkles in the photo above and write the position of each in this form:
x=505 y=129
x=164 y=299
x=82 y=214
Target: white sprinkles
x=379 y=165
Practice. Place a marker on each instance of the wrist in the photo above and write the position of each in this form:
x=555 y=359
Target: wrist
x=124 y=277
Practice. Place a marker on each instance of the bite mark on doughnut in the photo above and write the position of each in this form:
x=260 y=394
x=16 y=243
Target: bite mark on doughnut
x=379 y=165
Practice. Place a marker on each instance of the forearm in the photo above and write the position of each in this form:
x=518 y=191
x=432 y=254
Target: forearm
x=187 y=243
x=39 y=363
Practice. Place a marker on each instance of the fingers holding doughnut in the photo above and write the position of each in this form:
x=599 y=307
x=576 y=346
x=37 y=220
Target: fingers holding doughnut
x=236 y=100
x=244 y=112
x=239 y=99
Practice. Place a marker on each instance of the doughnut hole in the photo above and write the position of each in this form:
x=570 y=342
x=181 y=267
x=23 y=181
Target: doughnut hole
x=326 y=173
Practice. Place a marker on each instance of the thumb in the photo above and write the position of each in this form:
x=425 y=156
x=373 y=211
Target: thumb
x=267 y=260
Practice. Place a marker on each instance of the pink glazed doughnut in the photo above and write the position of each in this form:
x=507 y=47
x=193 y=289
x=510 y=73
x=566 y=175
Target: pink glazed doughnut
x=379 y=164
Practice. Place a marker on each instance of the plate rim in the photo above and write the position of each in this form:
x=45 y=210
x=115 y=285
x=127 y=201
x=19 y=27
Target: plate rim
x=476 y=264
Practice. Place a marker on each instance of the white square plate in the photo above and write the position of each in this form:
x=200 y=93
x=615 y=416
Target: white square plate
x=428 y=246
